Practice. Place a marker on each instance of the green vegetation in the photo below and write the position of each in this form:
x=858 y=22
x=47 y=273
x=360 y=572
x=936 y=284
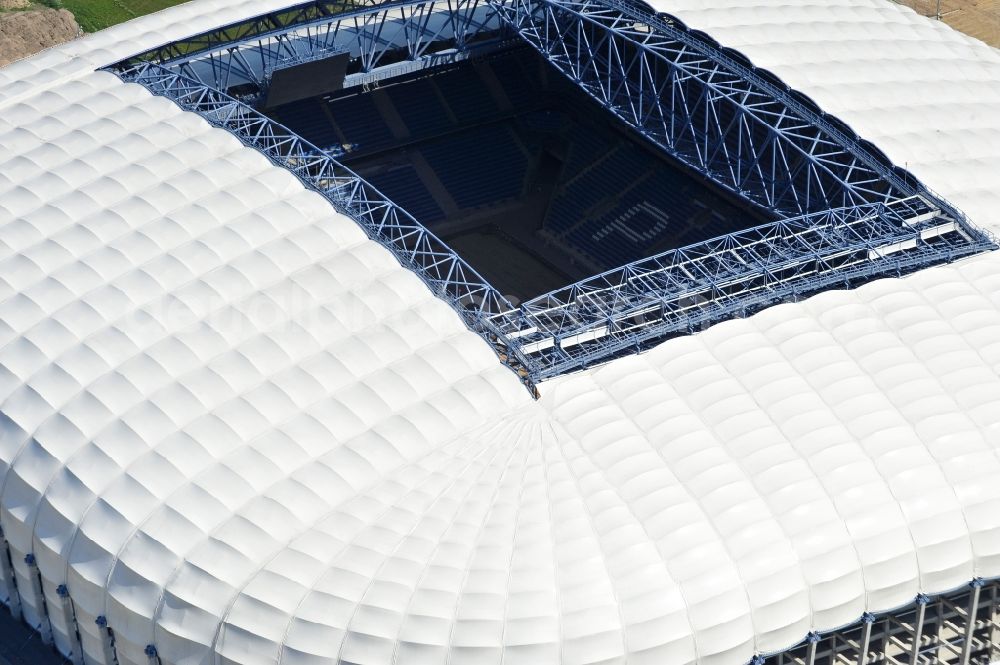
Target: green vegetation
x=94 y=15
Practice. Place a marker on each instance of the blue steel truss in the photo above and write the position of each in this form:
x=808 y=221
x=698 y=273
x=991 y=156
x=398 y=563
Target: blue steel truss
x=707 y=106
x=847 y=214
x=684 y=290
x=376 y=34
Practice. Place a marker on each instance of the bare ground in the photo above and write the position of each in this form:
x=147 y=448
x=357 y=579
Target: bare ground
x=25 y=32
x=977 y=18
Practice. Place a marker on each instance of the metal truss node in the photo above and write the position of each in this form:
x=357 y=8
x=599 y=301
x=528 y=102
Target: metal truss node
x=845 y=214
x=958 y=628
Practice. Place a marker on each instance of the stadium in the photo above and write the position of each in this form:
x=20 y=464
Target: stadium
x=503 y=331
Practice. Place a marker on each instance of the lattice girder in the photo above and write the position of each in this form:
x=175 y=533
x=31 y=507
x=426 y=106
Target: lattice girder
x=681 y=291
x=703 y=109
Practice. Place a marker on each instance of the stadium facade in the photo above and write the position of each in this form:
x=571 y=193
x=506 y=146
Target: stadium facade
x=276 y=277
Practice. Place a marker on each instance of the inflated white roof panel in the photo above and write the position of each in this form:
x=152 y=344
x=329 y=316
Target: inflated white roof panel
x=240 y=431
x=924 y=94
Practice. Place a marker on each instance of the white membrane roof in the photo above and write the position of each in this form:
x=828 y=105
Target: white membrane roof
x=240 y=431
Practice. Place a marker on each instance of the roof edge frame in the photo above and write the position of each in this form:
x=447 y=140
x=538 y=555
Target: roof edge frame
x=519 y=335
x=938 y=621
x=446 y=274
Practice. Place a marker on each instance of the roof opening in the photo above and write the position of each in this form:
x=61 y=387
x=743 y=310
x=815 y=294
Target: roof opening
x=518 y=171
x=578 y=178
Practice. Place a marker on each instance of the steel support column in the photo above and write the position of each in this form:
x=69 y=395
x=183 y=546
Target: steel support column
x=918 y=626
x=866 y=635
x=970 y=620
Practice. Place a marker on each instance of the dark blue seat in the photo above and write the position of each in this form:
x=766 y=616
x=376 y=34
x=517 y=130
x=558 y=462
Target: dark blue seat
x=307 y=119
x=466 y=95
x=360 y=120
x=403 y=187
x=419 y=106
x=519 y=77
x=493 y=169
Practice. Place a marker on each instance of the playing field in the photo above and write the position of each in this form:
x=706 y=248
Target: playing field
x=93 y=15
